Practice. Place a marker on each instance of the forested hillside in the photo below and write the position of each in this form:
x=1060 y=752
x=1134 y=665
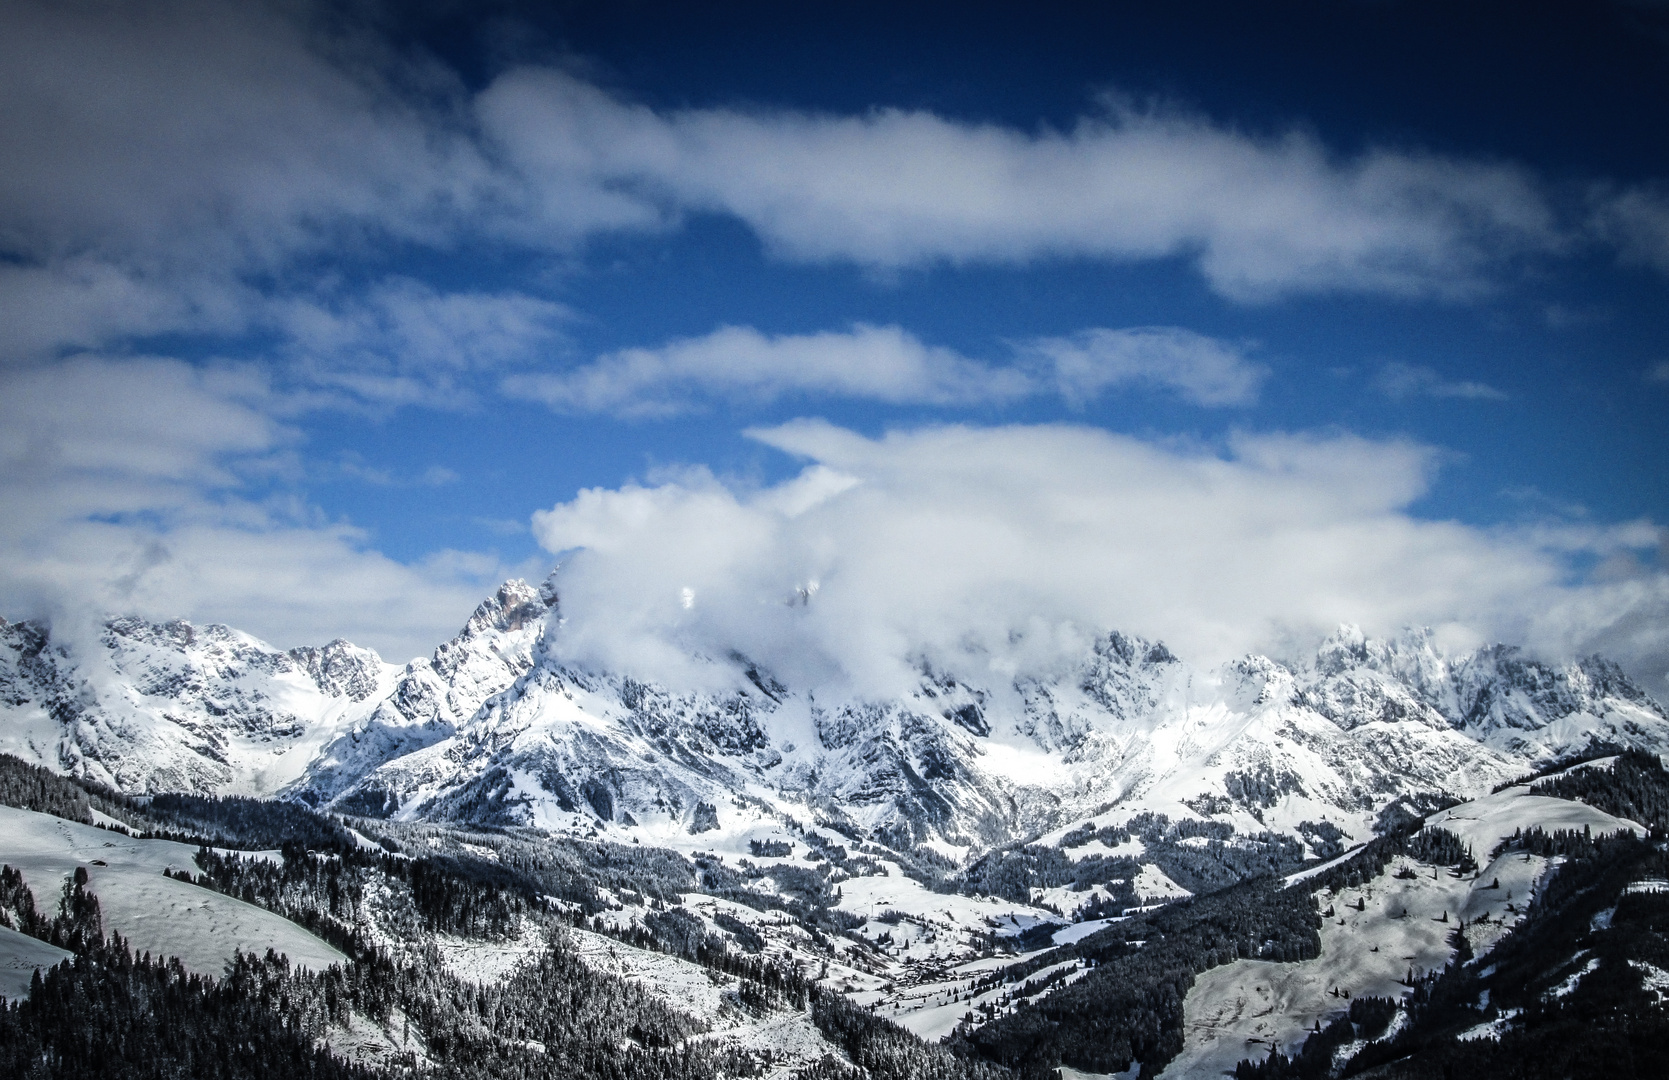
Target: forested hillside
x=1573 y=989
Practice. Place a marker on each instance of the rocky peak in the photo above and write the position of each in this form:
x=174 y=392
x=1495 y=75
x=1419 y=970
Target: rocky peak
x=340 y=669
x=1501 y=686
x=1121 y=672
x=513 y=606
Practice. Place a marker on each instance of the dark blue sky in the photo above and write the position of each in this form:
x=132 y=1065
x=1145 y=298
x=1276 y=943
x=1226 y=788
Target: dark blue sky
x=1578 y=93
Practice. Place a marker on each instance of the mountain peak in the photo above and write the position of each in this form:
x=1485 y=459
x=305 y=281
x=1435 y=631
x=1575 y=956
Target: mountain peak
x=341 y=668
x=514 y=605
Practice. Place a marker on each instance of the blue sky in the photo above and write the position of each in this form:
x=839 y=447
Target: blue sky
x=319 y=320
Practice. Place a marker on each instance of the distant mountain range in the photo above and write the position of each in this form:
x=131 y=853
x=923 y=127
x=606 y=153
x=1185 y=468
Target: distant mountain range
x=493 y=729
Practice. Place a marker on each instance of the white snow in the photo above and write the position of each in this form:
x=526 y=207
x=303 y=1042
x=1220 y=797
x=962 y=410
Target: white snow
x=1305 y=875
x=20 y=957
x=1243 y=1009
x=1079 y=931
x=1486 y=822
x=157 y=914
x=1152 y=884
x=709 y=996
x=488 y=962
x=1652 y=978
x=1068 y=1073
x=1572 y=980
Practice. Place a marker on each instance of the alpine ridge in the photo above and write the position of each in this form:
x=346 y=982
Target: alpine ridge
x=495 y=729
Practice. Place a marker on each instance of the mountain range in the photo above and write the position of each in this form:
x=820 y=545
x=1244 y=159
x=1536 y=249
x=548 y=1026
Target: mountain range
x=495 y=729
x=1124 y=865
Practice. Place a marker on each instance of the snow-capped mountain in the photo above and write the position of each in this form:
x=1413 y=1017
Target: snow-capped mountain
x=495 y=728
x=147 y=707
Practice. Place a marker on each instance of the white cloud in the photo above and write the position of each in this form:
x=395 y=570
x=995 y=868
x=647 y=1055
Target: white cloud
x=882 y=363
x=1262 y=216
x=1200 y=369
x=1636 y=220
x=888 y=364
x=158 y=155
x=170 y=165
x=124 y=487
x=1402 y=381
x=402 y=343
x=994 y=548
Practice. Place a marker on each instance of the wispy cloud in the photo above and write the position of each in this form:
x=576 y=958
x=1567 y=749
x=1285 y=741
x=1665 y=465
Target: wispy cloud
x=891 y=365
x=1200 y=369
x=881 y=363
x=1636 y=220
x=1403 y=381
x=400 y=342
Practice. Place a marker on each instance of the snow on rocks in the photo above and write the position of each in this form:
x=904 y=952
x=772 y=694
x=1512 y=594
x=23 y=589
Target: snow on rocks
x=494 y=728
x=147 y=707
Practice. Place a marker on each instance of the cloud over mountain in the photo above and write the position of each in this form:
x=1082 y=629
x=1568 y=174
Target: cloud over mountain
x=1003 y=547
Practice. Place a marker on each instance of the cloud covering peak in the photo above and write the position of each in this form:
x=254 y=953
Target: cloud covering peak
x=1003 y=549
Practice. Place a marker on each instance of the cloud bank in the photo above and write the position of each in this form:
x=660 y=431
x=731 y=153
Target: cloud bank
x=890 y=189
x=126 y=485
x=1001 y=550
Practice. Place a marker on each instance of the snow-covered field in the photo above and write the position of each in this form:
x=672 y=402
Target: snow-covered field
x=1376 y=935
x=488 y=962
x=20 y=957
x=156 y=914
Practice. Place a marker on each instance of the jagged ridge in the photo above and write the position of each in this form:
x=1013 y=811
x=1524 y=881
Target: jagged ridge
x=495 y=728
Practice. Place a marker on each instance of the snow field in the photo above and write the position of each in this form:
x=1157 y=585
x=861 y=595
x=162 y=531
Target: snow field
x=1069 y=1073
x=20 y=957
x=156 y=914
x=1486 y=822
x=709 y=996
x=488 y=962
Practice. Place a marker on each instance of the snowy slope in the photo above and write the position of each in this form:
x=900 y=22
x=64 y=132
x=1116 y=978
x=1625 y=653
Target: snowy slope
x=147 y=707
x=1243 y=1009
x=157 y=914
x=20 y=957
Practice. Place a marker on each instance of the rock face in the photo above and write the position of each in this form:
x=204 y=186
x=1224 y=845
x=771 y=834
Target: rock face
x=494 y=729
